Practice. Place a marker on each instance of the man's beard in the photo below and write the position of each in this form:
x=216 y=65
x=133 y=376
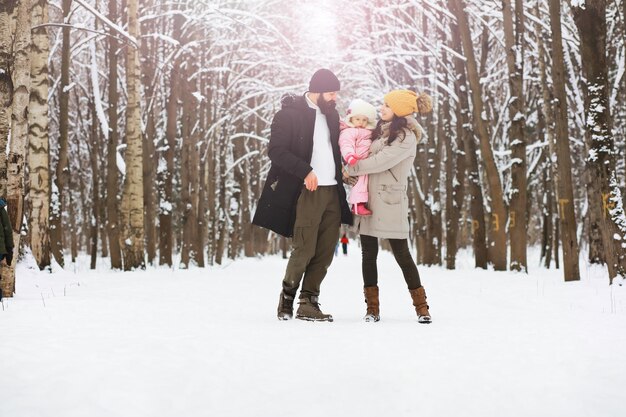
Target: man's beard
x=326 y=107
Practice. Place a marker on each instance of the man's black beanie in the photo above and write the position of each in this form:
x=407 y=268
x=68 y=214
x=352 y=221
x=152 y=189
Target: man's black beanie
x=324 y=81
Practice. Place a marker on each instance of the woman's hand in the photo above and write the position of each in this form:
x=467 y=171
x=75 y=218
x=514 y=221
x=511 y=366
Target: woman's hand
x=347 y=179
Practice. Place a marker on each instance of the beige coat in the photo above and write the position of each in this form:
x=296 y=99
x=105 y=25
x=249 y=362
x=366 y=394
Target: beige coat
x=388 y=167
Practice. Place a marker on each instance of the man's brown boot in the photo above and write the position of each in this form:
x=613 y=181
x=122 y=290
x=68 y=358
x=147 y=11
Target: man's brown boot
x=285 y=306
x=371 y=299
x=421 y=308
x=309 y=309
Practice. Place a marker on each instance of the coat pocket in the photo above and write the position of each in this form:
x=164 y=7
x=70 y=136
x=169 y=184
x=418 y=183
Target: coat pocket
x=392 y=194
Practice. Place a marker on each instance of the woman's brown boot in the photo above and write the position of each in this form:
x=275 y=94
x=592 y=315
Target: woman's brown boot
x=371 y=299
x=421 y=308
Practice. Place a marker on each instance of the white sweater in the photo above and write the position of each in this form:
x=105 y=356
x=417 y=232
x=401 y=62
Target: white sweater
x=322 y=160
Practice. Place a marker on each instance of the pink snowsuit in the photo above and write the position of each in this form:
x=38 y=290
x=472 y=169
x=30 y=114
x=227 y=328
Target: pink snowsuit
x=356 y=141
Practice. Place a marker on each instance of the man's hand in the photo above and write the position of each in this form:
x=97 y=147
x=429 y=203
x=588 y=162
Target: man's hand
x=311 y=181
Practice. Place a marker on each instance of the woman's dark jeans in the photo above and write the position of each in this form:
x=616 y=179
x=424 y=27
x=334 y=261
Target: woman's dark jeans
x=400 y=249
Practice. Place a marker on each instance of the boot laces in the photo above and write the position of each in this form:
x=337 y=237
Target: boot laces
x=313 y=302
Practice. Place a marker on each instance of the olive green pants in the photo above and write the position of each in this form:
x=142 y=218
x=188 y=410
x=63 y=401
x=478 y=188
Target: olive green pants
x=315 y=235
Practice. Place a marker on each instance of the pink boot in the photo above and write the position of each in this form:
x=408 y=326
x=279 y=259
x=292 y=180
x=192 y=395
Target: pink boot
x=361 y=210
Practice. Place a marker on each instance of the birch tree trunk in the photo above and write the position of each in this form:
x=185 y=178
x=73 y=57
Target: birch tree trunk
x=19 y=138
x=514 y=41
x=38 y=155
x=62 y=169
x=602 y=189
x=498 y=231
x=567 y=217
x=112 y=185
x=7 y=9
x=132 y=238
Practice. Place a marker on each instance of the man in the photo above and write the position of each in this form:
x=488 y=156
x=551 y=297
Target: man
x=303 y=196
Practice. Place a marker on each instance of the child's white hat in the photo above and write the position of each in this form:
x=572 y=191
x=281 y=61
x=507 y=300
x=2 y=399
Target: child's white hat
x=360 y=107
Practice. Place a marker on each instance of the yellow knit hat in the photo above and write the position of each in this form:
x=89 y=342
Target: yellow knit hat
x=405 y=102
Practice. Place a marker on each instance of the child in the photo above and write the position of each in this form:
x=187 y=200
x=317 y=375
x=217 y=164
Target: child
x=354 y=143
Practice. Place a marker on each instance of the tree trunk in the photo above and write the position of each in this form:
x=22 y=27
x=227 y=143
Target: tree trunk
x=222 y=219
x=435 y=231
x=602 y=189
x=165 y=176
x=112 y=169
x=550 y=188
x=62 y=170
x=149 y=48
x=38 y=155
x=189 y=172
x=498 y=211
x=95 y=184
x=202 y=207
x=547 y=237
x=421 y=211
x=467 y=144
x=19 y=139
x=7 y=9
x=212 y=201
x=564 y=161
x=514 y=40
x=72 y=216
x=132 y=197
x=201 y=180
x=455 y=177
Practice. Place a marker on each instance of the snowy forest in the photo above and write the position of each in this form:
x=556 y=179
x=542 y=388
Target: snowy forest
x=136 y=131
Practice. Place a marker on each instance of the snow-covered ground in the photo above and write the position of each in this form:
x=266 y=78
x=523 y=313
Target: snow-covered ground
x=206 y=342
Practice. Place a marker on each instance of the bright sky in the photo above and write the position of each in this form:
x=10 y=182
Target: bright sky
x=318 y=26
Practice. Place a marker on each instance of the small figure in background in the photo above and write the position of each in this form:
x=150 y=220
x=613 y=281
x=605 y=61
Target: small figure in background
x=344 y=244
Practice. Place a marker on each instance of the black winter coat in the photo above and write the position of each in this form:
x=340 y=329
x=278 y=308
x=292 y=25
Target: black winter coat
x=290 y=150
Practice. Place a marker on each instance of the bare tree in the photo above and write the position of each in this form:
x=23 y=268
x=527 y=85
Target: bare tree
x=498 y=242
x=564 y=162
x=603 y=192
x=514 y=40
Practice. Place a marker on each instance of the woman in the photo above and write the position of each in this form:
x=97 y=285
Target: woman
x=393 y=150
